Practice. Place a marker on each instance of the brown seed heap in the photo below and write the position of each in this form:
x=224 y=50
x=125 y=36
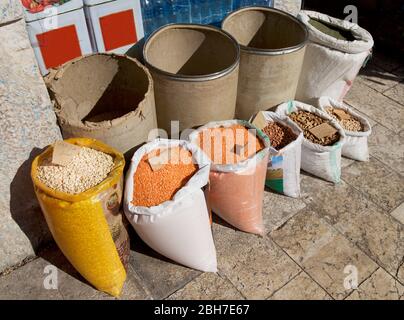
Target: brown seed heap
x=85 y=170
x=348 y=122
x=229 y=145
x=279 y=135
x=152 y=188
x=306 y=121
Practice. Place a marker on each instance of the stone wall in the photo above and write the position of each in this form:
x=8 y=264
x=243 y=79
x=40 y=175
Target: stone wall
x=27 y=124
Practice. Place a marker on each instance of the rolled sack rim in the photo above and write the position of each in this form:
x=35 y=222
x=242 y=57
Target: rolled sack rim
x=271 y=52
x=190 y=78
x=363 y=39
x=57 y=73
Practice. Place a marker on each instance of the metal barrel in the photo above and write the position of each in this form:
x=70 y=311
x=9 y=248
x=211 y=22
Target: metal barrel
x=272 y=44
x=195 y=73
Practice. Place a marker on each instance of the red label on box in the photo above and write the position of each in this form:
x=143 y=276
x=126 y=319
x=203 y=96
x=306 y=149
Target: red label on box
x=59 y=46
x=118 y=29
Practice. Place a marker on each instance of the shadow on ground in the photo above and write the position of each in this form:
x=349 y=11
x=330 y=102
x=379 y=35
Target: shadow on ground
x=24 y=207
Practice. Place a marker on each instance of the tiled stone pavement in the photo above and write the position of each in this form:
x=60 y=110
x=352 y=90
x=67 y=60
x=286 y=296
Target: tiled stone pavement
x=312 y=245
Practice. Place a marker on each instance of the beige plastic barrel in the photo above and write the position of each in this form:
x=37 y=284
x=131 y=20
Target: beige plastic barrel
x=107 y=97
x=272 y=46
x=195 y=73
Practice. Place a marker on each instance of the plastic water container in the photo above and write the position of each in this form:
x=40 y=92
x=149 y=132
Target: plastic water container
x=181 y=11
x=157 y=13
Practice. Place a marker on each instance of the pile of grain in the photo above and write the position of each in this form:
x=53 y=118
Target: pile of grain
x=279 y=135
x=152 y=188
x=350 y=124
x=85 y=170
x=219 y=144
x=306 y=121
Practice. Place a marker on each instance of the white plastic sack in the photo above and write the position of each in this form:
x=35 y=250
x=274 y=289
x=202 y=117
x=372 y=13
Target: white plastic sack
x=236 y=191
x=356 y=143
x=331 y=65
x=290 y=6
x=180 y=228
x=283 y=173
x=321 y=161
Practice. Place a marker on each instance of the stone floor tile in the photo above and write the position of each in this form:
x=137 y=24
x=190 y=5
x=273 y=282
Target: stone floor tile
x=383 y=186
x=376 y=106
x=372 y=122
x=379 y=286
x=322 y=252
x=255 y=265
x=133 y=289
x=311 y=185
x=398 y=213
x=380 y=60
x=377 y=234
x=159 y=275
x=278 y=209
x=387 y=147
x=396 y=93
x=378 y=79
x=208 y=286
x=73 y=286
x=399 y=71
x=302 y=287
x=27 y=282
x=346 y=162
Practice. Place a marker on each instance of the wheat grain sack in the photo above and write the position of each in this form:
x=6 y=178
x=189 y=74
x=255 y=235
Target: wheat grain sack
x=336 y=51
x=178 y=228
x=319 y=160
x=356 y=142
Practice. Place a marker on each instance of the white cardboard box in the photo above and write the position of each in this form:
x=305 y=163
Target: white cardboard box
x=114 y=25
x=58 y=34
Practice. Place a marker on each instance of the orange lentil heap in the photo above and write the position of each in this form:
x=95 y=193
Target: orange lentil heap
x=227 y=145
x=153 y=187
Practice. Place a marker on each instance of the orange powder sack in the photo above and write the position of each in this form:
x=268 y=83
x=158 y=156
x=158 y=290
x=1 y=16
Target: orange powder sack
x=219 y=144
x=152 y=188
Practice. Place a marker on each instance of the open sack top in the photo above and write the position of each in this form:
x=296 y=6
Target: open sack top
x=270 y=116
x=363 y=39
x=94 y=96
x=196 y=182
x=367 y=129
x=113 y=176
x=242 y=165
x=292 y=106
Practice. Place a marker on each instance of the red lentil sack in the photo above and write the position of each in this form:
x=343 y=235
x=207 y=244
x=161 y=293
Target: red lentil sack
x=319 y=160
x=179 y=228
x=283 y=172
x=356 y=142
x=236 y=190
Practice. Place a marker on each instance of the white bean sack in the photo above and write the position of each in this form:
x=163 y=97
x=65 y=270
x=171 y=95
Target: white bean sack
x=180 y=228
x=356 y=143
x=330 y=65
x=283 y=174
x=321 y=161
